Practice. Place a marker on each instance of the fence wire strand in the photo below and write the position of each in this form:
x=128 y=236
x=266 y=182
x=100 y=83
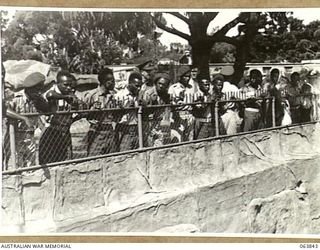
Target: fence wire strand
x=68 y=134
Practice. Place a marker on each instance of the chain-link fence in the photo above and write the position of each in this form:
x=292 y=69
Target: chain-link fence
x=73 y=134
x=6 y=145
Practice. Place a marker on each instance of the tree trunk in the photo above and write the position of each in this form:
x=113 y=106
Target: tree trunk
x=242 y=54
x=201 y=56
x=243 y=50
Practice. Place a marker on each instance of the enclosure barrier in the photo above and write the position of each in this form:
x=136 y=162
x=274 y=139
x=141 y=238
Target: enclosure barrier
x=69 y=135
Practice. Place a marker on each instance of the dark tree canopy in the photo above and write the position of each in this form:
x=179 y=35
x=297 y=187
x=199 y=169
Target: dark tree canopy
x=249 y=26
x=84 y=41
x=200 y=42
x=79 y=41
x=222 y=53
x=298 y=42
x=3 y=19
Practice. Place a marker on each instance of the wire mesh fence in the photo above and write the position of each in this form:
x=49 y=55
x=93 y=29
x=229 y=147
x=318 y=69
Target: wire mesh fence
x=6 y=145
x=74 y=134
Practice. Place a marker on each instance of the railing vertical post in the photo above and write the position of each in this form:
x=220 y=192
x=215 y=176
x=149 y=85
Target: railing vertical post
x=317 y=96
x=13 y=145
x=37 y=153
x=315 y=107
x=140 y=130
x=216 y=117
x=273 y=110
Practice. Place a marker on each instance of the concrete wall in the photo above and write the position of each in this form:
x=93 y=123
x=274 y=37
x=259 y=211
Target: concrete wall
x=246 y=183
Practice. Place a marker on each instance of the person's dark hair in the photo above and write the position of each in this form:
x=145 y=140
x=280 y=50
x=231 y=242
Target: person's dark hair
x=64 y=73
x=159 y=75
x=135 y=75
x=294 y=74
x=255 y=71
x=274 y=70
x=103 y=73
x=305 y=87
x=218 y=77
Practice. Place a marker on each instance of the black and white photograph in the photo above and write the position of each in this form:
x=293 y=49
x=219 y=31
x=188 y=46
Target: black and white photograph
x=160 y=121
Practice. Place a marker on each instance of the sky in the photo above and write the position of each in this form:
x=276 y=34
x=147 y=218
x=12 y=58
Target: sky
x=307 y=15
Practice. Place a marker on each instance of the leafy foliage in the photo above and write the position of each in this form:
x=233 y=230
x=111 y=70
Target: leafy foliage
x=203 y=42
x=3 y=19
x=222 y=52
x=296 y=43
x=262 y=37
x=80 y=41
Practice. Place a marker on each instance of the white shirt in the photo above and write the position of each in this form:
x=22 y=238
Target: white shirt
x=231 y=121
x=230 y=89
x=127 y=100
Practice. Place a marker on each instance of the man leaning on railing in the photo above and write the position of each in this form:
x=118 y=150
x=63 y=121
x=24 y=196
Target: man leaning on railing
x=102 y=137
x=253 y=112
x=128 y=124
x=182 y=126
x=55 y=143
x=157 y=129
x=203 y=111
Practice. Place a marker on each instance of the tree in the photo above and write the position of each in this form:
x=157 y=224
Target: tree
x=79 y=41
x=20 y=36
x=201 y=42
x=105 y=31
x=177 y=47
x=254 y=23
x=3 y=19
x=222 y=52
x=149 y=48
x=296 y=43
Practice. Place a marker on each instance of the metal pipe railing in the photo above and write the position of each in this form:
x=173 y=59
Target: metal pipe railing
x=145 y=149
x=315 y=102
x=216 y=118
x=140 y=111
x=140 y=129
x=79 y=111
x=13 y=145
x=273 y=110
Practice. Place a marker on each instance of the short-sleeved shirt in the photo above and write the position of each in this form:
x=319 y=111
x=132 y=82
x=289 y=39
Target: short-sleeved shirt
x=190 y=92
x=161 y=115
x=306 y=98
x=292 y=93
x=58 y=105
x=176 y=91
x=194 y=85
x=149 y=96
x=96 y=99
x=203 y=112
x=250 y=93
x=230 y=89
x=127 y=100
x=145 y=91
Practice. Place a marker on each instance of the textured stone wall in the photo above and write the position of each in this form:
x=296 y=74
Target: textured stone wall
x=265 y=182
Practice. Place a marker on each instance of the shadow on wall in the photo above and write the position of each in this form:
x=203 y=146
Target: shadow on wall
x=213 y=185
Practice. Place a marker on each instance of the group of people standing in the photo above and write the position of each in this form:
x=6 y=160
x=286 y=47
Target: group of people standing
x=169 y=111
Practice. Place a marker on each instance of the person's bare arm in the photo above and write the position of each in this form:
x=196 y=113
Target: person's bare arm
x=52 y=95
x=13 y=115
